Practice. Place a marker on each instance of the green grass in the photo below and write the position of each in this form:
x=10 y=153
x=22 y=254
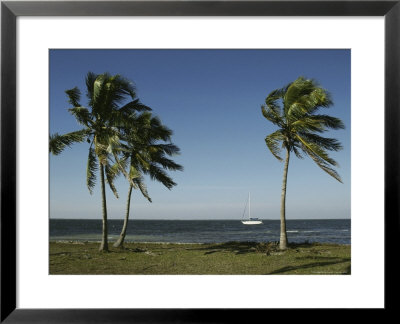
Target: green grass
x=223 y=258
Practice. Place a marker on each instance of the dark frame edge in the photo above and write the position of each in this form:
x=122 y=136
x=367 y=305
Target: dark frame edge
x=10 y=314
x=203 y=8
x=392 y=148
x=8 y=295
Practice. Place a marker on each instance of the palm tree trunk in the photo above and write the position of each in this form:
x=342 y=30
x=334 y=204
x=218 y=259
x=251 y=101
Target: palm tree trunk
x=283 y=242
x=120 y=241
x=104 y=240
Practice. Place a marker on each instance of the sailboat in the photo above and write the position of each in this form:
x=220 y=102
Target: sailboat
x=250 y=221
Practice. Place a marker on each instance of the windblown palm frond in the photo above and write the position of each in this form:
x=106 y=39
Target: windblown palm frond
x=57 y=142
x=108 y=93
x=133 y=106
x=147 y=155
x=74 y=96
x=293 y=109
x=274 y=143
x=142 y=187
x=92 y=167
x=111 y=173
x=82 y=115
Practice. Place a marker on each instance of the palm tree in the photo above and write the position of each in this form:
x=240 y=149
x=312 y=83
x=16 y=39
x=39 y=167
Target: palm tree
x=101 y=122
x=294 y=110
x=144 y=154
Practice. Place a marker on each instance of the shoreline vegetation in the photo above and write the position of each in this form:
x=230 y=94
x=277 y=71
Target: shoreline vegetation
x=230 y=258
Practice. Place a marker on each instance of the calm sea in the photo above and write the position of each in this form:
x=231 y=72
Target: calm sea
x=203 y=231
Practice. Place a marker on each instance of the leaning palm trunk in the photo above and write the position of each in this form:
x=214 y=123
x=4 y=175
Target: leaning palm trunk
x=104 y=240
x=283 y=242
x=120 y=242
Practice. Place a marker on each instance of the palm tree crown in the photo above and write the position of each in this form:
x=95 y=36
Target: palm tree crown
x=148 y=148
x=294 y=109
x=101 y=123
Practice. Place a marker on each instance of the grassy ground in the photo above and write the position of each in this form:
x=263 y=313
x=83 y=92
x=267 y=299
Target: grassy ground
x=221 y=258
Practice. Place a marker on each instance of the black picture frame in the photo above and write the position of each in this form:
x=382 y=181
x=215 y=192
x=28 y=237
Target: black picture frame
x=10 y=10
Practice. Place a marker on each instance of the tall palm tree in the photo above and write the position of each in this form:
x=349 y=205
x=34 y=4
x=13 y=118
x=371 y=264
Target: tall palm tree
x=110 y=99
x=145 y=151
x=294 y=109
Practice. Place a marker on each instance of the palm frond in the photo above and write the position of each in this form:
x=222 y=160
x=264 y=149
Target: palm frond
x=274 y=143
x=315 y=149
x=309 y=103
x=271 y=116
x=159 y=131
x=272 y=102
x=134 y=173
x=330 y=144
x=89 y=80
x=299 y=88
x=92 y=167
x=296 y=151
x=100 y=148
x=169 y=149
x=110 y=91
x=133 y=106
x=125 y=122
x=143 y=120
x=324 y=166
x=57 y=143
x=166 y=163
x=144 y=164
x=99 y=96
x=74 y=95
x=318 y=98
x=82 y=115
x=111 y=173
x=122 y=165
x=161 y=176
x=295 y=112
x=121 y=87
x=113 y=143
x=142 y=187
x=328 y=121
x=308 y=124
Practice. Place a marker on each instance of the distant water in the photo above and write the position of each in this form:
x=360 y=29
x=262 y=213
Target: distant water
x=203 y=231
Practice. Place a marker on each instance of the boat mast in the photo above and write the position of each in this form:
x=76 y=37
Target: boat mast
x=249 y=206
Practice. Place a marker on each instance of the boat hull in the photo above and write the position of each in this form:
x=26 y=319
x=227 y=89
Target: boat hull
x=252 y=222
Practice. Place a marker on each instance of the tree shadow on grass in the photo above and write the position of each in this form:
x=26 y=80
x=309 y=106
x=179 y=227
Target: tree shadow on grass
x=233 y=247
x=305 y=244
x=238 y=247
x=323 y=262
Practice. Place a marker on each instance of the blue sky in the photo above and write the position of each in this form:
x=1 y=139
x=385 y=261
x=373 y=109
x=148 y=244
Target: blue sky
x=211 y=100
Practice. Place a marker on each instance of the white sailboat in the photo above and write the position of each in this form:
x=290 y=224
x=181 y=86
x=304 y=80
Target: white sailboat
x=250 y=221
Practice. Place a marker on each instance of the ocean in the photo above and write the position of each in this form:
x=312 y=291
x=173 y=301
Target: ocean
x=203 y=231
